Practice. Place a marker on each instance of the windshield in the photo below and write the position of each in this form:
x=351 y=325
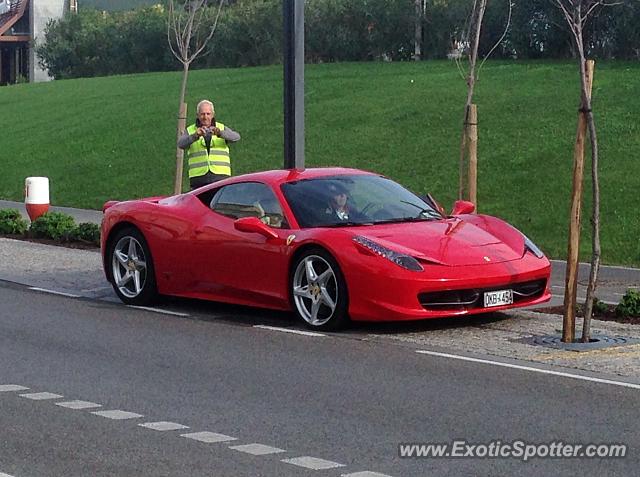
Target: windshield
x=354 y=200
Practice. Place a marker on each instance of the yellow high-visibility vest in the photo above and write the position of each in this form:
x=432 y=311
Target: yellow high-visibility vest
x=217 y=160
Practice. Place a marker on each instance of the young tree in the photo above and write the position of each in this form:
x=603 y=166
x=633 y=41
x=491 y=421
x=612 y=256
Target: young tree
x=470 y=43
x=188 y=35
x=576 y=13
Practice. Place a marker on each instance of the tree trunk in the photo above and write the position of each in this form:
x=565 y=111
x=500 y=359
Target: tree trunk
x=417 y=47
x=595 y=239
x=476 y=23
x=182 y=120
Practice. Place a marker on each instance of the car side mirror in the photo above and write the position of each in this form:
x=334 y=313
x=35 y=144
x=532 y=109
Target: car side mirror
x=254 y=225
x=463 y=207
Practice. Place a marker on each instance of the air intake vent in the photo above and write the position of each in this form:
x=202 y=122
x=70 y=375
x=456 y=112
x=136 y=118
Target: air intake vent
x=470 y=298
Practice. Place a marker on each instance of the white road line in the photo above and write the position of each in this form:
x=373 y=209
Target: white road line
x=41 y=396
x=158 y=310
x=54 y=292
x=529 y=368
x=11 y=387
x=78 y=404
x=117 y=414
x=288 y=330
x=89 y=290
x=163 y=426
x=257 y=449
x=365 y=474
x=312 y=463
x=5 y=475
x=208 y=437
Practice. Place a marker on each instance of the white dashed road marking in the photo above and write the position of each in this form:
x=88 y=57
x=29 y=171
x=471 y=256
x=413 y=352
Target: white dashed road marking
x=365 y=474
x=158 y=310
x=41 y=396
x=529 y=368
x=11 y=387
x=312 y=463
x=163 y=426
x=54 y=292
x=209 y=437
x=78 y=404
x=288 y=330
x=117 y=414
x=257 y=449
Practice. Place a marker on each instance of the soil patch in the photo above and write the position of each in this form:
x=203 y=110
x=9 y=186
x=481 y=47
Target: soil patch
x=77 y=244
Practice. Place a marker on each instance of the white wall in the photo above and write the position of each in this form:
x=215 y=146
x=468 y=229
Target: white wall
x=41 y=12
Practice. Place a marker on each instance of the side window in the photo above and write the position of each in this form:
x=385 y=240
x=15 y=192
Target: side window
x=249 y=199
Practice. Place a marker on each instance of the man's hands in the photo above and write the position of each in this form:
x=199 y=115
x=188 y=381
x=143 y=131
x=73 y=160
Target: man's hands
x=201 y=131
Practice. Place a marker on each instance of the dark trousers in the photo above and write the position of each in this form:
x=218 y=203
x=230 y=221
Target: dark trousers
x=208 y=178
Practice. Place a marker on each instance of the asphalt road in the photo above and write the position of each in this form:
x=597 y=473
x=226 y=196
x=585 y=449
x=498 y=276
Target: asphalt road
x=309 y=401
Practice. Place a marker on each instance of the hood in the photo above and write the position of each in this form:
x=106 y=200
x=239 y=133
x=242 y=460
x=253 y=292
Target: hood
x=450 y=242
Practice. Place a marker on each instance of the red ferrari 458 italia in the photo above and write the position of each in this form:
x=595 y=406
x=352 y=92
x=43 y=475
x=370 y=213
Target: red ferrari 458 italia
x=331 y=244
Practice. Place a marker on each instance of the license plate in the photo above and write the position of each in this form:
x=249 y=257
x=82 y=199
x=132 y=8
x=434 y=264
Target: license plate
x=497 y=298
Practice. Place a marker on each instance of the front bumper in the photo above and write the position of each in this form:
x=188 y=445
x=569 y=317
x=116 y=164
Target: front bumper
x=395 y=294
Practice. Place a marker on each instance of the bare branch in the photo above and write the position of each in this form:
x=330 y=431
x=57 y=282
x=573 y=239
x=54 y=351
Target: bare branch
x=460 y=68
x=504 y=34
x=173 y=27
x=597 y=4
x=565 y=12
x=213 y=28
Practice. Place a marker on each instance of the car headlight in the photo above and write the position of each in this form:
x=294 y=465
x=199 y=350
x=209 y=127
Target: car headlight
x=400 y=259
x=532 y=247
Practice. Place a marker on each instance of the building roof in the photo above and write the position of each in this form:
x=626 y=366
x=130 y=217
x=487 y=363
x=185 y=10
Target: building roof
x=9 y=18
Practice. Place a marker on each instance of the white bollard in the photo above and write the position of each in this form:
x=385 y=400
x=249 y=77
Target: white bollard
x=36 y=196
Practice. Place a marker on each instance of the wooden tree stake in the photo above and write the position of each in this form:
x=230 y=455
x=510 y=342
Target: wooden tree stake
x=182 y=125
x=571 y=285
x=472 y=131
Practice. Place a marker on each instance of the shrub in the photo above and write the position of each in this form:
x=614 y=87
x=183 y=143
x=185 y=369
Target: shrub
x=12 y=222
x=630 y=304
x=53 y=225
x=599 y=306
x=86 y=232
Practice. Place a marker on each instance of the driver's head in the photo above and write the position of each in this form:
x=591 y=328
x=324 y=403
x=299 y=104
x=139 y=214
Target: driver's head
x=338 y=194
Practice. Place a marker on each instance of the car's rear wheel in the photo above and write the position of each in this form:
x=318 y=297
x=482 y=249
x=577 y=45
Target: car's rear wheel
x=319 y=291
x=132 y=272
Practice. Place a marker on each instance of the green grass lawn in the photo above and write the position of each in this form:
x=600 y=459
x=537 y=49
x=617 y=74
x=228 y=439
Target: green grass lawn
x=114 y=138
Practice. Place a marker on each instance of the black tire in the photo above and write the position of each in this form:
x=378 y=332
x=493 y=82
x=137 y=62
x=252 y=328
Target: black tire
x=320 y=303
x=128 y=255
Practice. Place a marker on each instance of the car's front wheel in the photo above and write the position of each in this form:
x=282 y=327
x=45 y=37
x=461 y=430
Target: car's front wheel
x=132 y=272
x=319 y=291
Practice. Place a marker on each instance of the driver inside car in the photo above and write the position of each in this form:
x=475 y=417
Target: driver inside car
x=338 y=208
